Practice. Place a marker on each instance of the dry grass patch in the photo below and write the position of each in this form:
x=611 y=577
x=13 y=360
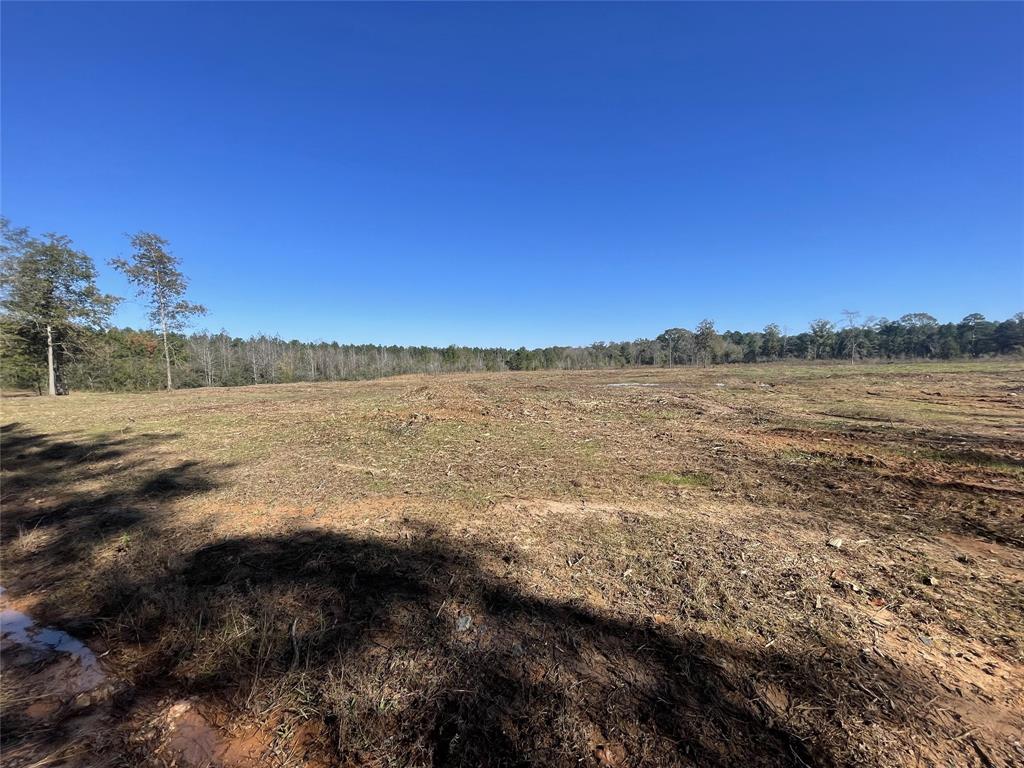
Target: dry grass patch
x=766 y=565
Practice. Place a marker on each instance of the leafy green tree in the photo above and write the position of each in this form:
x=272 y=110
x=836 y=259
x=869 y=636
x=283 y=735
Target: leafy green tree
x=890 y=338
x=156 y=273
x=673 y=340
x=1009 y=335
x=771 y=341
x=704 y=340
x=949 y=343
x=823 y=339
x=520 y=360
x=751 y=347
x=48 y=293
x=922 y=334
x=975 y=333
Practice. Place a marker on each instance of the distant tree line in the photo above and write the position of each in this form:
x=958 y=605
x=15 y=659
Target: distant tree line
x=54 y=335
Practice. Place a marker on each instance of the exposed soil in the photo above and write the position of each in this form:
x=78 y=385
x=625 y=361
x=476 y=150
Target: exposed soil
x=759 y=565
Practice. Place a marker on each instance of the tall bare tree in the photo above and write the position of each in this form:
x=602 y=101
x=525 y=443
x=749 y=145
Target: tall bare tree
x=155 y=272
x=853 y=330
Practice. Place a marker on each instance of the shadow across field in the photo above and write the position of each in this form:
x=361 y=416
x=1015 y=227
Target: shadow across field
x=77 y=492
x=418 y=649
x=419 y=655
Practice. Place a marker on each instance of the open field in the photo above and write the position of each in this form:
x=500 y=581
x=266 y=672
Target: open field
x=743 y=565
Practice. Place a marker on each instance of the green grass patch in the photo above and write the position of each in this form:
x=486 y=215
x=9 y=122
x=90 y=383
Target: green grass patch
x=683 y=480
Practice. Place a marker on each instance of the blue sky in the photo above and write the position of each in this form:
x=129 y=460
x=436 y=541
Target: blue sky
x=533 y=173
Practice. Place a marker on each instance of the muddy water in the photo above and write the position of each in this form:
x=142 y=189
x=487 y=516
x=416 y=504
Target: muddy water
x=56 y=682
x=63 y=666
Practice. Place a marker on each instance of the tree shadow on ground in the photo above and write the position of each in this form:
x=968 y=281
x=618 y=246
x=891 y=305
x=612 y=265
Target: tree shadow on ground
x=416 y=650
x=66 y=498
x=426 y=656
x=79 y=491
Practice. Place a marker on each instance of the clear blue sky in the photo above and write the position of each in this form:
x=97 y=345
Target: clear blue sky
x=534 y=173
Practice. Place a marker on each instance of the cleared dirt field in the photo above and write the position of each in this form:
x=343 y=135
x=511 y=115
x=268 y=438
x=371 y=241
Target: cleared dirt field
x=744 y=565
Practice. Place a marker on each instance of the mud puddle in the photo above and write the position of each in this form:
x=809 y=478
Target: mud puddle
x=58 y=697
x=56 y=693
x=48 y=663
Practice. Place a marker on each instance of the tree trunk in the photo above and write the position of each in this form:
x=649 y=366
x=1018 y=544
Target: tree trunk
x=167 y=348
x=162 y=301
x=167 y=358
x=51 y=376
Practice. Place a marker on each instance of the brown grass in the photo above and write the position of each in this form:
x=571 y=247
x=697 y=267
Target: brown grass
x=535 y=569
